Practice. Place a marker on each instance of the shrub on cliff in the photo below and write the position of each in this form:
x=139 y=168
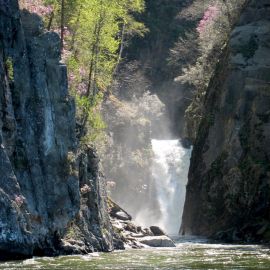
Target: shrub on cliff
x=201 y=48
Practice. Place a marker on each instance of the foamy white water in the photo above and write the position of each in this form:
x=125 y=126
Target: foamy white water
x=186 y=256
x=170 y=174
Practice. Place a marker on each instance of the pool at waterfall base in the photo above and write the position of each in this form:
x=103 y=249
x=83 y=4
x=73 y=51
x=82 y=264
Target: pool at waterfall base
x=188 y=255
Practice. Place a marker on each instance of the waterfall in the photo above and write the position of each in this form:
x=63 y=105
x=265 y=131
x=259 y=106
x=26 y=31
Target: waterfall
x=170 y=174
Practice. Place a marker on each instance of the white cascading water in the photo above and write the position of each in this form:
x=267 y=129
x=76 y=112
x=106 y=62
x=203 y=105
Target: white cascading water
x=170 y=172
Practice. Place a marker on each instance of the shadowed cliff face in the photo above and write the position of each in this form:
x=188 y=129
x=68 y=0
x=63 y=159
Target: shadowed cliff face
x=229 y=180
x=39 y=170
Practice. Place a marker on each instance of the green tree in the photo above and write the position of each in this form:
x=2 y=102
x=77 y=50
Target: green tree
x=93 y=36
x=98 y=32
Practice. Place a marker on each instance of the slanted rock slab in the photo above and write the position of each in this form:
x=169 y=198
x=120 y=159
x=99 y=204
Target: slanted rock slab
x=122 y=215
x=157 y=231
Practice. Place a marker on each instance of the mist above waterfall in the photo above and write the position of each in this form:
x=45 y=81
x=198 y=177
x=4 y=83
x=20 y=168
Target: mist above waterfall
x=136 y=114
x=146 y=165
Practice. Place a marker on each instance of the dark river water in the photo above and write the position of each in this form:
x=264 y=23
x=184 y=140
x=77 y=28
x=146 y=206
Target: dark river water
x=187 y=255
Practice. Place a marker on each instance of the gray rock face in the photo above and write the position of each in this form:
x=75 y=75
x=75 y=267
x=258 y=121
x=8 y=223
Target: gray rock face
x=39 y=172
x=92 y=226
x=229 y=181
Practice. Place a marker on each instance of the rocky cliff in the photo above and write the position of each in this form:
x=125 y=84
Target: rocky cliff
x=46 y=186
x=229 y=180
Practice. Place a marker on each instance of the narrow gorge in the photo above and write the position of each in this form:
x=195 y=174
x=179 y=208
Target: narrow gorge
x=228 y=189
x=137 y=127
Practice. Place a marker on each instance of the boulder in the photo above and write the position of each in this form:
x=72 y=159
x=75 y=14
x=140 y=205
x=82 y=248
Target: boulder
x=117 y=212
x=157 y=231
x=121 y=215
x=157 y=241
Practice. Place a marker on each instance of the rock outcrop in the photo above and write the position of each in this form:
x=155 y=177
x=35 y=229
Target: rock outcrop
x=157 y=241
x=45 y=185
x=229 y=180
x=127 y=232
x=91 y=230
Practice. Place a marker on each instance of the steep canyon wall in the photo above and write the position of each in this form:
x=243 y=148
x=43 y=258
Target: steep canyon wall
x=229 y=180
x=46 y=186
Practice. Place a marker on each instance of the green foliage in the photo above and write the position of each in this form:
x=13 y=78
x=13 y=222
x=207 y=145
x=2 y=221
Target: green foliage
x=71 y=232
x=9 y=69
x=95 y=123
x=199 y=51
x=94 y=38
x=96 y=44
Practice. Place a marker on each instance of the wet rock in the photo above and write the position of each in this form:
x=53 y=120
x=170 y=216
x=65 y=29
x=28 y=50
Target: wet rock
x=72 y=248
x=122 y=215
x=157 y=241
x=147 y=231
x=131 y=227
x=157 y=231
x=134 y=236
x=117 y=212
x=92 y=225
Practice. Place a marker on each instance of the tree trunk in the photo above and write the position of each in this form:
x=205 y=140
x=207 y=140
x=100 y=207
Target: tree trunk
x=92 y=73
x=122 y=46
x=50 y=22
x=62 y=23
x=75 y=29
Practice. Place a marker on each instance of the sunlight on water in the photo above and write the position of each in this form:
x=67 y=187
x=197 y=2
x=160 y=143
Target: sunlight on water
x=187 y=256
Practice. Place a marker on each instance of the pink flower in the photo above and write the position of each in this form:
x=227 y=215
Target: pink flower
x=65 y=55
x=208 y=18
x=82 y=71
x=19 y=200
x=36 y=6
x=85 y=189
x=111 y=184
x=67 y=31
x=71 y=77
x=82 y=88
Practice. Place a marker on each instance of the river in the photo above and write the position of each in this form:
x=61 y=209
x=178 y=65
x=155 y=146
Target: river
x=186 y=256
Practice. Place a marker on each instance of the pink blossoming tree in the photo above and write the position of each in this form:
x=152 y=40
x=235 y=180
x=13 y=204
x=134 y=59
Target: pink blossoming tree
x=208 y=19
x=203 y=46
x=36 y=6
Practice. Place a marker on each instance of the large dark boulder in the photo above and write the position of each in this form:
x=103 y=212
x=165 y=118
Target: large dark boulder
x=157 y=231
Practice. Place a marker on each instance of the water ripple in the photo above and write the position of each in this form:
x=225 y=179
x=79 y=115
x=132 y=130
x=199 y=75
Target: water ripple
x=187 y=256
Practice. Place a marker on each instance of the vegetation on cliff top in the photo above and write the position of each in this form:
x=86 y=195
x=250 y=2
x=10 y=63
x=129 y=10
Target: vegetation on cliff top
x=197 y=53
x=93 y=35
